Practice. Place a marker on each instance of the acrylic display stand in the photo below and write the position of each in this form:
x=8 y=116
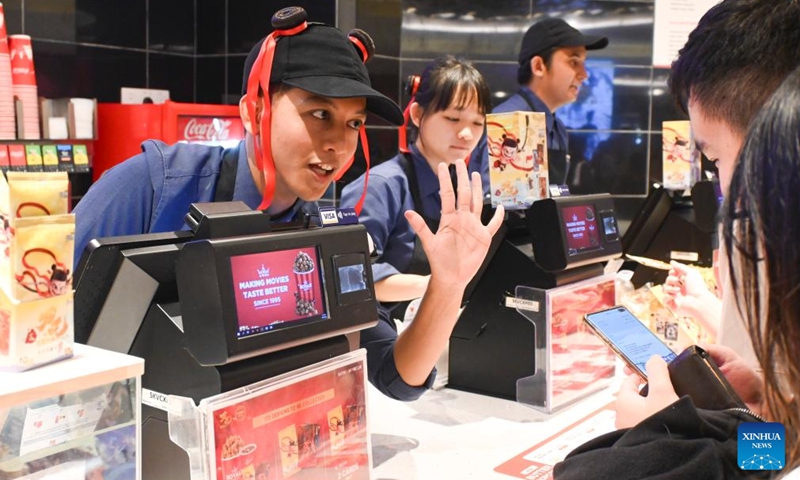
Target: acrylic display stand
x=76 y=419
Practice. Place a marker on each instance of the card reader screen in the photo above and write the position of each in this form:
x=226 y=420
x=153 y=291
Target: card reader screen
x=351 y=278
x=580 y=229
x=277 y=290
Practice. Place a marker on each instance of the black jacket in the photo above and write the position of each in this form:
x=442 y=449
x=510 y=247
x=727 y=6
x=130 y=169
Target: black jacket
x=679 y=442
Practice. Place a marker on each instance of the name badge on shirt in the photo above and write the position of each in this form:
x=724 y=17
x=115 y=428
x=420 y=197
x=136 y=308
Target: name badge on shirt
x=330 y=216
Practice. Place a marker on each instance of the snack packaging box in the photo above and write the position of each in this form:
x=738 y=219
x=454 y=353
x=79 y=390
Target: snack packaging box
x=80 y=158
x=4 y=160
x=65 y=162
x=33 y=158
x=35 y=333
x=680 y=157
x=32 y=194
x=517 y=149
x=50 y=158
x=16 y=157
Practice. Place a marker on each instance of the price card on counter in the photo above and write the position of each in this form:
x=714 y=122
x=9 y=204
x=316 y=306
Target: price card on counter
x=538 y=461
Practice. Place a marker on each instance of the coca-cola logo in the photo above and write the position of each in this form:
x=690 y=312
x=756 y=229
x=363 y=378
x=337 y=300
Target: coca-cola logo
x=207 y=129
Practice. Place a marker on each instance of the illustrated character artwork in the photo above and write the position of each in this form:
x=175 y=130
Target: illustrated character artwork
x=6 y=235
x=262 y=471
x=56 y=282
x=289 y=450
x=59 y=280
x=506 y=150
x=676 y=146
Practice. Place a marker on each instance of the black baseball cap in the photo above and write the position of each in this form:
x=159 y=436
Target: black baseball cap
x=322 y=60
x=555 y=33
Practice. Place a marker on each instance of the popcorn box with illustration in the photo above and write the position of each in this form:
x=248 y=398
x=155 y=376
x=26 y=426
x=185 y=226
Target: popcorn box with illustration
x=37 y=236
x=35 y=333
x=680 y=157
x=517 y=146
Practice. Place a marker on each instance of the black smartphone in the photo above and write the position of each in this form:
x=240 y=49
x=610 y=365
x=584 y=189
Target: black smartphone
x=628 y=337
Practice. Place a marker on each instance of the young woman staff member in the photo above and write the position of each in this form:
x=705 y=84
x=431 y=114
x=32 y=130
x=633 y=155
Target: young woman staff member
x=448 y=111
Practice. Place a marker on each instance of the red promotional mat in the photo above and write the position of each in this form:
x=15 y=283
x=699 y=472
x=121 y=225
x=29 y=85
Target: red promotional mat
x=538 y=461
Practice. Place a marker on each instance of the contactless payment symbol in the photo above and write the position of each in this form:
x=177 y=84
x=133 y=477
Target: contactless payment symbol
x=761 y=446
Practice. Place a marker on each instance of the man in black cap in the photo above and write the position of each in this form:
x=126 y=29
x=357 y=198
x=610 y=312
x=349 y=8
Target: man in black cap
x=303 y=108
x=551 y=71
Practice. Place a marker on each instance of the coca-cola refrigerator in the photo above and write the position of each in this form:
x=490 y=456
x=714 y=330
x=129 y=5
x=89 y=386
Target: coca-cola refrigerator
x=121 y=128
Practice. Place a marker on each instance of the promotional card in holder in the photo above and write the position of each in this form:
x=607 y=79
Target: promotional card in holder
x=680 y=156
x=308 y=424
x=517 y=149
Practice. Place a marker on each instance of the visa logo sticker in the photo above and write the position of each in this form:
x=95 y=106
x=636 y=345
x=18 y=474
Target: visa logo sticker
x=332 y=216
x=761 y=446
x=328 y=216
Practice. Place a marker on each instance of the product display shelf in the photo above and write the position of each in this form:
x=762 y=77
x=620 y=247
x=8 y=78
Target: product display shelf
x=74 y=419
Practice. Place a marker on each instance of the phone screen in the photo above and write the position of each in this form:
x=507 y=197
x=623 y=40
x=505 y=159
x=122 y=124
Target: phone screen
x=632 y=339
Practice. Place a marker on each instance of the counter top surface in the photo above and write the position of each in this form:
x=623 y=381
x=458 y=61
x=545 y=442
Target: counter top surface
x=89 y=367
x=451 y=434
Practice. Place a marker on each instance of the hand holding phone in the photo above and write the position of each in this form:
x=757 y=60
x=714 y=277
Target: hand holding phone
x=692 y=373
x=628 y=337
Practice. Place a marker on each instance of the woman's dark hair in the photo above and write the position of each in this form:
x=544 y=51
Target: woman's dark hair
x=450 y=81
x=761 y=232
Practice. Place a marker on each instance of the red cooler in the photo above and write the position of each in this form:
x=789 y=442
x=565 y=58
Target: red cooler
x=122 y=128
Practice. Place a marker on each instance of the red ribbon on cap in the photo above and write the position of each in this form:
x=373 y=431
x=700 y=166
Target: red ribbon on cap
x=402 y=132
x=260 y=75
x=360 y=46
x=362 y=134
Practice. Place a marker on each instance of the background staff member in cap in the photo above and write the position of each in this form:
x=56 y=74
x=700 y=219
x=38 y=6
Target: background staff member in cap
x=306 y=94
x=551 y=71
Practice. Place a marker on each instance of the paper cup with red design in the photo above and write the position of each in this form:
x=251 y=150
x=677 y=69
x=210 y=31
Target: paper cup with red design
x=22 y=72
x=304 y=269
x=3 y=31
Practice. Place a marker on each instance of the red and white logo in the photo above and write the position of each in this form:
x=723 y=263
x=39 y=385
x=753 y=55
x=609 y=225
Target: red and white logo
x=210 y=129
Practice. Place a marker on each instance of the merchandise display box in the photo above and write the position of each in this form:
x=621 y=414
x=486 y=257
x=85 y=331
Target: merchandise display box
x=521 y=334
x=572 y=361
x=77 y=419
x=680 y=156
x=517 y=145
x=310 y=423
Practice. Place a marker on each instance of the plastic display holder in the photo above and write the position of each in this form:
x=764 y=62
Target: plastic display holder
x=310 y=423
x=571 y=361
x=74 y=419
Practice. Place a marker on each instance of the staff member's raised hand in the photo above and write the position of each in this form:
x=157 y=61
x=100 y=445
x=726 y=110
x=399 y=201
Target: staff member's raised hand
x=457 y=249
x=455 y=252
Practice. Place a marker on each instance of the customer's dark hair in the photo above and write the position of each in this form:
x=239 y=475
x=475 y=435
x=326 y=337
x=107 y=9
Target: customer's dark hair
x=524 y=73
x=737 y=56
x=449 y=81
x=761 y=231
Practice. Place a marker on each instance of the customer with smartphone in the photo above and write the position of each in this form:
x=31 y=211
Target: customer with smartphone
x=762 y=240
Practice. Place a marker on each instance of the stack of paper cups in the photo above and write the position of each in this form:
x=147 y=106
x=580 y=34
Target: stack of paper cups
x=7 y=121
x=24 y=80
